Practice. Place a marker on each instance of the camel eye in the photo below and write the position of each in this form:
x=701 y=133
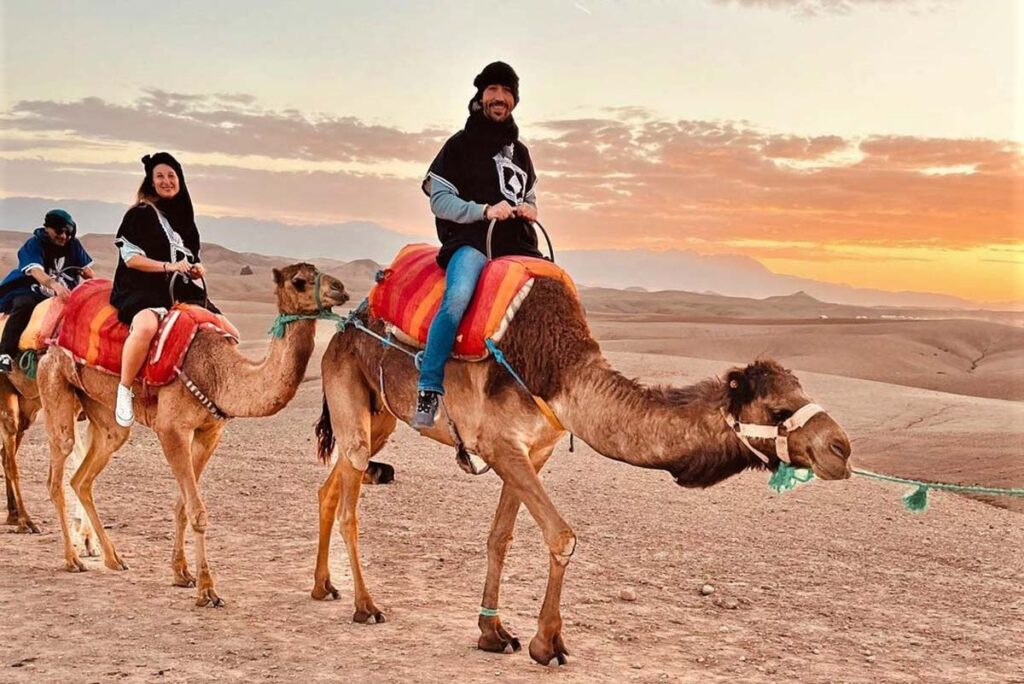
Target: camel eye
x=299 y=283
x=781 y=415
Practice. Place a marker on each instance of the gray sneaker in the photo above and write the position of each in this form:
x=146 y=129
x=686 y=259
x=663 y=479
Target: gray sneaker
x=6 y=364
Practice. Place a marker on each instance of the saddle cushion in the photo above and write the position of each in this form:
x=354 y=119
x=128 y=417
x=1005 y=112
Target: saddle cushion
x=40 y=329
x=93 y=336
x=408 y=295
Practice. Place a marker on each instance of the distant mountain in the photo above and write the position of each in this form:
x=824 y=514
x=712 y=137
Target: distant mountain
x=679 y=270
x=342 y=241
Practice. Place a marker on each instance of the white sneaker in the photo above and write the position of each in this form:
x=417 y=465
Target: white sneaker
x=124 y=414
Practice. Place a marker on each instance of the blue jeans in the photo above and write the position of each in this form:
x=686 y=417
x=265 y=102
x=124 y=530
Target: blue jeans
x=460 y=283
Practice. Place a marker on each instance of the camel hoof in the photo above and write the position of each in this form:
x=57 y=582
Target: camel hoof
x=552 y=653
x=502 y=645
x=115 y=563
x=12 y=518
x=321 y=593
x=27 y=527
x=183 y=581
x=209 y=598
x=364 y=617
x=74 y=565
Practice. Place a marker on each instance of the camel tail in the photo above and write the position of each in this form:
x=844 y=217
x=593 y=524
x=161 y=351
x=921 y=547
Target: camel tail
x=324 y=434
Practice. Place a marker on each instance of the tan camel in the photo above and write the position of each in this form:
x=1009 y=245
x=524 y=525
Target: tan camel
x=188 y=432
x=680 y=430
x=19 y=405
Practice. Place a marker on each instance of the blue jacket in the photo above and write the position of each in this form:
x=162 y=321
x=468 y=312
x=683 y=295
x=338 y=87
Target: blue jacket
x=61 y=263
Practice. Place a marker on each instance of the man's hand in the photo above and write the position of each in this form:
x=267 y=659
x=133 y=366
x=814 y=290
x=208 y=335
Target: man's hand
x=501 y=211
x=526 y=211
x=197 y=271
x=60 y=289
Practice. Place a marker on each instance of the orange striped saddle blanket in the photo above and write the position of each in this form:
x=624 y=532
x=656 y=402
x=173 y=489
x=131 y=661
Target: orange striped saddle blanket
x=41 y=327
x=93 y=336
x=408 y=295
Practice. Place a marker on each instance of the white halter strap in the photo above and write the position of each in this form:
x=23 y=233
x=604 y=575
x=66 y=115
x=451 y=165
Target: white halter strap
x=780 y=433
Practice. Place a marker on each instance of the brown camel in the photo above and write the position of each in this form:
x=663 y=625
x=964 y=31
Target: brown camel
x=19 y=404
x=680 y=430
x=188 y=432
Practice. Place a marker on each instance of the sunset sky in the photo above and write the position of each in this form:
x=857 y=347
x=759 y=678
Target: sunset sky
x=876 y=143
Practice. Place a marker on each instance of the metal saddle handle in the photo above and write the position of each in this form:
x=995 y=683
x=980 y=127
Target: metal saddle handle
x=536 y=226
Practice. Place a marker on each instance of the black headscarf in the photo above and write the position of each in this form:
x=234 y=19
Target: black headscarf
x=178 y=209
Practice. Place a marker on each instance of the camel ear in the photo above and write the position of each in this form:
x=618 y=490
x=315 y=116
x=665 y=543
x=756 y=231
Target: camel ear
x=740 y=390
x=278 y=276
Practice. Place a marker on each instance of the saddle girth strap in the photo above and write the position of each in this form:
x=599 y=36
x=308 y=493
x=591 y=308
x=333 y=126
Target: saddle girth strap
x=204 y=400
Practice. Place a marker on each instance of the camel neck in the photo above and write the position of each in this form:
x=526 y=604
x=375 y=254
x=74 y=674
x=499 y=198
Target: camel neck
x=680 y=430
x=250 y=389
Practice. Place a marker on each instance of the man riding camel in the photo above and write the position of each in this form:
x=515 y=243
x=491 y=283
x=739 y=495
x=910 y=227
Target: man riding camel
x=482 y=173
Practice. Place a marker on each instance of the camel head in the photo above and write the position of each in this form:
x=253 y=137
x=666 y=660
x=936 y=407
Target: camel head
x=297 y=289
x=766 y=394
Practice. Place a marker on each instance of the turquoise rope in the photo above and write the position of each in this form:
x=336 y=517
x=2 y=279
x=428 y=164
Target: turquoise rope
x=29 y=362
x=282 y=320
x=488 y=612
x=787 y=477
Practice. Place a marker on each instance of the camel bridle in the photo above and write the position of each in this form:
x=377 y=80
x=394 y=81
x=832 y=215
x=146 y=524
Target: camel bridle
x=780 y=433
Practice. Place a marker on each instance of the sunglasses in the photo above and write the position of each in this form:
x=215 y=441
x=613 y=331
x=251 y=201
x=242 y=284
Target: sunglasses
x=62 y=230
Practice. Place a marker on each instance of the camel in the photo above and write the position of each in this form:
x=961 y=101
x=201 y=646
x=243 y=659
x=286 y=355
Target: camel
x=683 y=431
x=187 y=430
x=19 y=405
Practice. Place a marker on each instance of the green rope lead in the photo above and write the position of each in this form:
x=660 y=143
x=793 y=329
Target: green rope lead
x=29 y=362
x=282 y=321
x=787 y=477
x=488 y=612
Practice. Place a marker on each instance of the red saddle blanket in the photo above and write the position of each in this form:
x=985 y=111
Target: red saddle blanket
x=408 y=295
x=94 y=337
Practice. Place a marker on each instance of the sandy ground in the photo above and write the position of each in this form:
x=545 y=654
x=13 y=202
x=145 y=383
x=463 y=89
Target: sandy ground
x=831 y=582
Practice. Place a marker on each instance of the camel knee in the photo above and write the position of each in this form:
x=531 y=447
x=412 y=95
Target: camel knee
x=498 y=545
x=197 y=519
x=62 y=443
x=563 y=547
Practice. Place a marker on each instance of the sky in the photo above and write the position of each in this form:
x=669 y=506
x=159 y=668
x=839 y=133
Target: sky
x=876 y=143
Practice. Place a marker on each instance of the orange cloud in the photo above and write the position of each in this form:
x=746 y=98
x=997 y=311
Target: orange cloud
x=623 y=180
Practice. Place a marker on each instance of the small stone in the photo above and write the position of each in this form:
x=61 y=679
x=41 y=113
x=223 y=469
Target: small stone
x=707 y=590
x=627 y=595
x=743 y=658
x=870 y=659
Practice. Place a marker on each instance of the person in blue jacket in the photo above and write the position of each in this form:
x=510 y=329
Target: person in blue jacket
x=50 y=264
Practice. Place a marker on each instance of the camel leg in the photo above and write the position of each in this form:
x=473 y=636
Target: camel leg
x=105 y=438
x=516 y=470
x=83 y=533
x=204 y=443
x=360 y=434
x=493 y=636
x=16 y=512
x=329 y=497
x=61 y=409
x=176 y=442
x=348 y=520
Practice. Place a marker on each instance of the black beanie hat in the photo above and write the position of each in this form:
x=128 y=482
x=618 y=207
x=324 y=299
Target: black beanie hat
x=497 y=73
x=58 y=218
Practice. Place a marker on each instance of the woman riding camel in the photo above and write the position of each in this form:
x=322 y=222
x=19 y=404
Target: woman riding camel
x=157 y=239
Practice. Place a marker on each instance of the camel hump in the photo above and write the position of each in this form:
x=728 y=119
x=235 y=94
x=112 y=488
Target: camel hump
x=408 y=294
